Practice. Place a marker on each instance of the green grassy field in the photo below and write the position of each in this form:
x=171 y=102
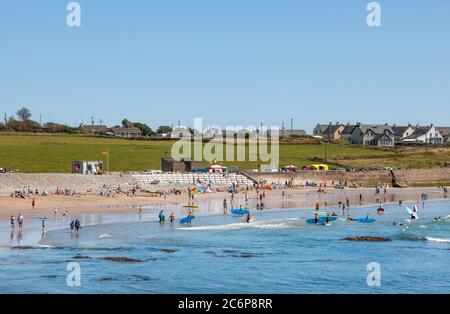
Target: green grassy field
x=55 y=153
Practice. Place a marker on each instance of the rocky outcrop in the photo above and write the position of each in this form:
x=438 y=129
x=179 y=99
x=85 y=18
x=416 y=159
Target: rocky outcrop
x=122 y=259
x=367 y=239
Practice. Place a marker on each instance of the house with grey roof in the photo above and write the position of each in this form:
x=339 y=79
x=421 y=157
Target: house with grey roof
x=93 y=129
x=289 y=132
x=333 y=131
x=131 y=132
x=401 y=132
x=319 y=129
x=346 y=134
x=381 y=135
x=426 y=135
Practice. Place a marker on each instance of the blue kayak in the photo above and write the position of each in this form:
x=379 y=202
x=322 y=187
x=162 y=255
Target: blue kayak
x=187 y=219
x=366 y=220
x=321 y=220
x=240 y=212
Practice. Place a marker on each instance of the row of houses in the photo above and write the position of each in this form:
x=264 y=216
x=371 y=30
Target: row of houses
x=384 y=135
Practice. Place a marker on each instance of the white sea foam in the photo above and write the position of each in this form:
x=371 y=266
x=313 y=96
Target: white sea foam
x=106 y=236
x=437 y=239
x=236 y=226
x=46 y=246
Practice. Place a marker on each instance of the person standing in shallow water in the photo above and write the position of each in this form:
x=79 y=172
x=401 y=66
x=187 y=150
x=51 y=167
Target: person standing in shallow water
x=13 y=227
x=77 y=226
x=33 y=202
x=43 y=227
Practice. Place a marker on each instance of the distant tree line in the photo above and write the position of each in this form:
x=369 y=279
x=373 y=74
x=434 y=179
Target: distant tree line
x=23 y=123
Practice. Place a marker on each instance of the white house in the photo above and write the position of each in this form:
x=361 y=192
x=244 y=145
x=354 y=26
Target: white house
x=401 y=132
x=426 y=135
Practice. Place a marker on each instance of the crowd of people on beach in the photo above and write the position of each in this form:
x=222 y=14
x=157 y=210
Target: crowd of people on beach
x=27 y=192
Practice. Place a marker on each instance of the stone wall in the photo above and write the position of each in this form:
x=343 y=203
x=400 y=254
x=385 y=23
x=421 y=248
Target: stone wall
x=408 y=176
x=10 y=182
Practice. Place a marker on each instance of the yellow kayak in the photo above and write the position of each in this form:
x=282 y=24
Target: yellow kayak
x=190 y=206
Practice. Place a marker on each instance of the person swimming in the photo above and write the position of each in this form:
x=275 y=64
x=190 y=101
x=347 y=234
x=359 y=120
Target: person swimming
x=350 y=218
x=249 y=218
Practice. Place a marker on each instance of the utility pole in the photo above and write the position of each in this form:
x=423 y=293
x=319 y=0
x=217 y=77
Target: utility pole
x=40 y=120
x=328 y=143
x=5 y=119
x=282 y=129
x=101 y=121
x=292 y=126
x=92 y=121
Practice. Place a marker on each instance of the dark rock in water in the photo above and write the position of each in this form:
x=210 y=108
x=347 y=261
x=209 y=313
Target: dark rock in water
x=367 y=239
x=168 y=251
x=127 y=278
x=81 y=257
x=51 y=276
x=122 y=259
x=247 y=255
x=230 y=251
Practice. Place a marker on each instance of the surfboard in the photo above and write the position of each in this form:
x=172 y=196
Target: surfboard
x=321 y=220
x=410 y=212
x=240 y=212
x=324 y=214
x=366 y=220
x=187 y=219
x=39 y=217
x=190 y=206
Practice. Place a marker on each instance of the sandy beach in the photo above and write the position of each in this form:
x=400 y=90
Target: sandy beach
x=292 y=198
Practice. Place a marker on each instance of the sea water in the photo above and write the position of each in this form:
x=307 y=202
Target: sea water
x=279 y=253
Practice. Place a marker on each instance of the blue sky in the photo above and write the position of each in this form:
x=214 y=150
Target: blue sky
x=234 y=62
